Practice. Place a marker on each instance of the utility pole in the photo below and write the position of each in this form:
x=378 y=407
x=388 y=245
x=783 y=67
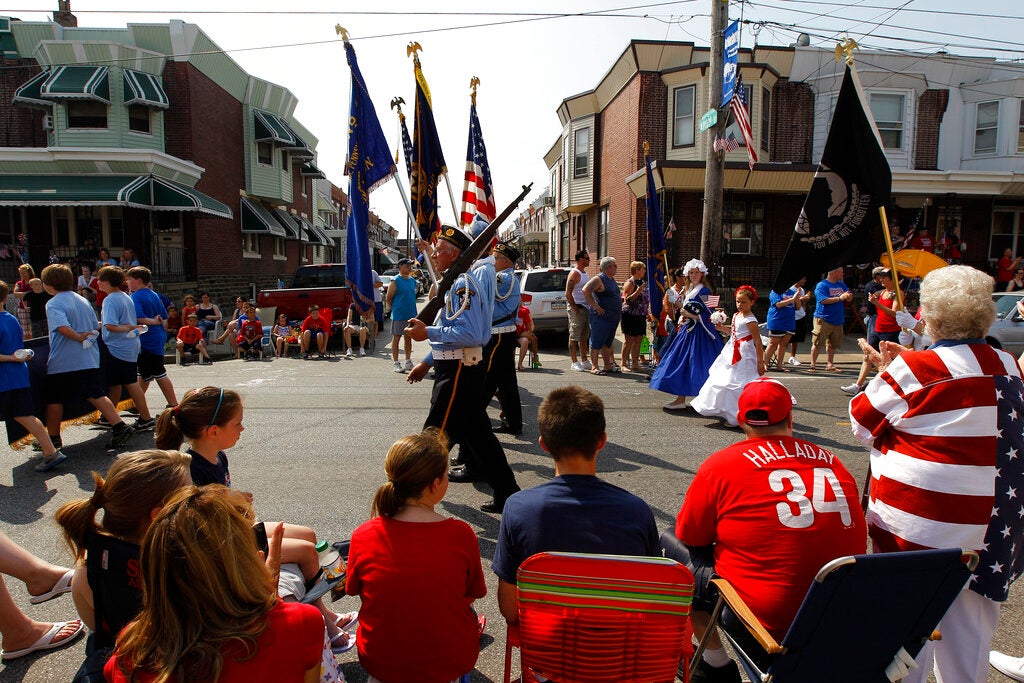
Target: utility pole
x=711 y=225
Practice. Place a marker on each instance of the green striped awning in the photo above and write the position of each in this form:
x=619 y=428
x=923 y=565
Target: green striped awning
x=272 y=128
x=257 y=219
x=309 y=170
x=315 y=234
x=144 y=192
x=28 y=93
x=289 y=222
x=77 y=82
x=145 y=89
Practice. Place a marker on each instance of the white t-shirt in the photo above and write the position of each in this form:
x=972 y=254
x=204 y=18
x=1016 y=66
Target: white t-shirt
x=577 y=290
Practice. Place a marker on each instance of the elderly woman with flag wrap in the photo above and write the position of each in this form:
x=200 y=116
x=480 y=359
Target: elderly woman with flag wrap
x=462 y=327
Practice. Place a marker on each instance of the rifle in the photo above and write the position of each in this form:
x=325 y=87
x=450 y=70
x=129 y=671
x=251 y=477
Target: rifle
x=466 y=259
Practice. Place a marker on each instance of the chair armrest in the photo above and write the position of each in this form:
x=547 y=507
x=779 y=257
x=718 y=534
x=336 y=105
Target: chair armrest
x=746 y=616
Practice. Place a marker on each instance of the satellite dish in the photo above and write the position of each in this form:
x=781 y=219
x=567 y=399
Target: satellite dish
x=803 y=40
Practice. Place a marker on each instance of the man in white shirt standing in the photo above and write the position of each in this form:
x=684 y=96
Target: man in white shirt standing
x=578 y=312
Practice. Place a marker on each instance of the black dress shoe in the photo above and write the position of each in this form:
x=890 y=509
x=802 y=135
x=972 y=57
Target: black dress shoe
x=493 y=506
x=506 y=429
x=463 y=475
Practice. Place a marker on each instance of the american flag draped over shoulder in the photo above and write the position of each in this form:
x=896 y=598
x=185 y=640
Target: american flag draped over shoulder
x=950 y=471
x=478 y=191
x=740 y=111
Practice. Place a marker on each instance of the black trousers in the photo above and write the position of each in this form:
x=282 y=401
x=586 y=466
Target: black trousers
x=457 y=407
x=500 y=358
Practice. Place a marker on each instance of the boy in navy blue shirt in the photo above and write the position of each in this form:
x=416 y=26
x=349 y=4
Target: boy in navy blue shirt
x=15 y=391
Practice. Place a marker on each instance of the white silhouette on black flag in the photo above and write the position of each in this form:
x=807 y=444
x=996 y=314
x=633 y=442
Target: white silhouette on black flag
x=840 y=212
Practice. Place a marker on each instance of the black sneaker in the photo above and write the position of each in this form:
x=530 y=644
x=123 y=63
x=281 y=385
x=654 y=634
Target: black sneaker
x=705 y=673
x=103 y=423
x=144 y=425
x=119 y=437
x=133 y=411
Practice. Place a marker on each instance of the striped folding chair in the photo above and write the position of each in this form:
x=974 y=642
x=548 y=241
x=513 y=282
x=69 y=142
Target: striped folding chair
x=601 y=618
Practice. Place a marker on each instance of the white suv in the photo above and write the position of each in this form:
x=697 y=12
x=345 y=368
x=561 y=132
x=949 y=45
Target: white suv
x=548 y=306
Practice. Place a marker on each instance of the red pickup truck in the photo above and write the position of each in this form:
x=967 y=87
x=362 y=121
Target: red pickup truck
x=322 y=284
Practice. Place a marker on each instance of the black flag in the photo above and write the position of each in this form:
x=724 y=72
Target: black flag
x=840 y=212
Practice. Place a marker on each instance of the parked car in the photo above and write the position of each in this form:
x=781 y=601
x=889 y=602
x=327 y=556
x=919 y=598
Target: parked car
x=321 y=284
x=547 y=290
x=1007 y=331
x=385 y=282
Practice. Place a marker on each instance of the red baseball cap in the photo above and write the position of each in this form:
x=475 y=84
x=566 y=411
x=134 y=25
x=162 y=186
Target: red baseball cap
x=764 y=402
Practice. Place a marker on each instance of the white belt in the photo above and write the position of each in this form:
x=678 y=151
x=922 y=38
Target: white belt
x=447 y=354
x=502 y=329
x=470 y=355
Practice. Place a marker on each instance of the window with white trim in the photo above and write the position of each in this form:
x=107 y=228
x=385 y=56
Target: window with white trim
x=683 y=116
x=279 y=246
x=766 y=108
x=139 y=119
x=1020 y=126
x=887 y=109
x=250 y=244
x=743 y=228
x=602 y=232
x=986 y=125
x=265 y=153
x=86 y=114
x=581 y=153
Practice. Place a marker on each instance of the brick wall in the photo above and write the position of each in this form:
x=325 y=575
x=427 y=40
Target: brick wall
x=930 y=109
x=20 y=126
x=792 y=122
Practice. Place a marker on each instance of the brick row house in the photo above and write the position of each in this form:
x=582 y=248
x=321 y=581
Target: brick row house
x=149 y=137
x=952 y=129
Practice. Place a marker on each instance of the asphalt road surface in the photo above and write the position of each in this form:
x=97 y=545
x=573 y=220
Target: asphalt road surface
x=316 y=433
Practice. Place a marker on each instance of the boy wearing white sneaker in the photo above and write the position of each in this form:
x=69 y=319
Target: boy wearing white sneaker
x=353 y=326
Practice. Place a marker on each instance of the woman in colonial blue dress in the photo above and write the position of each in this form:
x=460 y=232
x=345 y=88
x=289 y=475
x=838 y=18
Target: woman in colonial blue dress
x=694 y=344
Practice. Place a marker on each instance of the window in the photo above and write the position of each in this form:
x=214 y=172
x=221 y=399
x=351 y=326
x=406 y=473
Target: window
x=888 y=113
x=581 y=221
x=564 y=227
x=581 y=153
x=766 y=109
x=284 y=160
x=265 y=153
x=1007 y=225
x=86 y=114
x=279 y=246
x=682 y=116
x=250 y=244
x=138 y=118
x=602 y=232
x=742 y=228
x=985 y=126
x=1020 y=128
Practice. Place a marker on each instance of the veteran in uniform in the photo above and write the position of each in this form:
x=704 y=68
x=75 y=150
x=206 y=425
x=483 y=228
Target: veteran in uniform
x=462 y=328
x=500 y=352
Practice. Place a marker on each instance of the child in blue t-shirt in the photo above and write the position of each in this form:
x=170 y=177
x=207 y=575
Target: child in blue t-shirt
x=15 y=390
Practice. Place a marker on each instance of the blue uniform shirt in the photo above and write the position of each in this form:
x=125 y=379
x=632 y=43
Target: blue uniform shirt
x=834 y=313
x=119 y=310
x=463 y=323
x=506 y=299
x=67 y=309
x=148 y=305
x=781 y=319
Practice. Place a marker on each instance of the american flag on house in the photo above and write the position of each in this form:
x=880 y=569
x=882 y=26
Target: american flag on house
x=728 y=144
x=478 y=191
x=741 y=112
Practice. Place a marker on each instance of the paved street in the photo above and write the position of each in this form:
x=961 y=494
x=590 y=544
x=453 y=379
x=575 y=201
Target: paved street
x=316 y=433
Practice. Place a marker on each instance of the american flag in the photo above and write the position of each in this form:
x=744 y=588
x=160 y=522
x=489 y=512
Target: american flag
x=406 y=145
x=670 y=228
x=952 y=473
x=728 y=144
x=478 y=192
x=713 y=301
x=739 y=110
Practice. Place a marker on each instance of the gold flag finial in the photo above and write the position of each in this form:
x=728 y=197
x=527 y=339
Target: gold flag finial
x=341 y=32
x=396 y=103
x=473 y=83
x=411 y=49
x=844 y=50
x=647 y=148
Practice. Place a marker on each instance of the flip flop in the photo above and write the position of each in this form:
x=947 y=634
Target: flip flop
x=597 y=371
x=834 y=369
x=353 y=621
x=481 y=622
x=47 y=642
x=62 y=586
x=614 y=368
x=349 y=643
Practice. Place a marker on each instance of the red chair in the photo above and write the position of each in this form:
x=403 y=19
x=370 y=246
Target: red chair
x=601 y=619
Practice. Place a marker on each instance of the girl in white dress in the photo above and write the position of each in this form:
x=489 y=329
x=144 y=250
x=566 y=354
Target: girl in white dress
x=741 y=360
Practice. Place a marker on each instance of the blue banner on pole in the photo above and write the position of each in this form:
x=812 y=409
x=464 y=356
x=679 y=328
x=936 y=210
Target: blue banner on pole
x=731 y=65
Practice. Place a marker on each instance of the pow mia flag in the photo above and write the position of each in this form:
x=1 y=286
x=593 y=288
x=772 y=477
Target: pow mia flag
x=840 y=212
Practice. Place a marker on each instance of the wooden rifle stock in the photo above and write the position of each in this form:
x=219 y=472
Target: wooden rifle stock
x=466 y=259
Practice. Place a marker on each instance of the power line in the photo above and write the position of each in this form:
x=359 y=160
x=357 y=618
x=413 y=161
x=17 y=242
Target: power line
x=906 y=10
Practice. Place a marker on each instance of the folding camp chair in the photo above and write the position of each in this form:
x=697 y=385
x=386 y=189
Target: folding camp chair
x=863 y=620
x=600 y=618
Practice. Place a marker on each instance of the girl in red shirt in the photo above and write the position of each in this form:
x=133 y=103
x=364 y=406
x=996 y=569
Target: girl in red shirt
x=410 y=566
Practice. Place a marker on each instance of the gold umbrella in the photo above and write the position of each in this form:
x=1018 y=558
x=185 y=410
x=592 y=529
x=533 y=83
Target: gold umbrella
x=913 y=262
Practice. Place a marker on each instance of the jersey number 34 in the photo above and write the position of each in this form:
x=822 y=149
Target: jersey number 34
x=799 y=511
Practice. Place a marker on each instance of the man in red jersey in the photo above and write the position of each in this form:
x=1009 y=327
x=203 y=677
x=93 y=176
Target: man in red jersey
x=765 y=514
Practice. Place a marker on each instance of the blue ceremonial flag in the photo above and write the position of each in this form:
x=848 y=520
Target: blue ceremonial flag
x=731 y=65
x=427 y=160
x=655 y=244
x=369 y=164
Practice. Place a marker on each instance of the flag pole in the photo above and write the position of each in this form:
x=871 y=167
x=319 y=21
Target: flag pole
x=892 y=258
x=451 y=196
x=408 y=207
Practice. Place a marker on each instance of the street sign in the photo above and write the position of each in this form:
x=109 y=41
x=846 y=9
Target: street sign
x=709 y=119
